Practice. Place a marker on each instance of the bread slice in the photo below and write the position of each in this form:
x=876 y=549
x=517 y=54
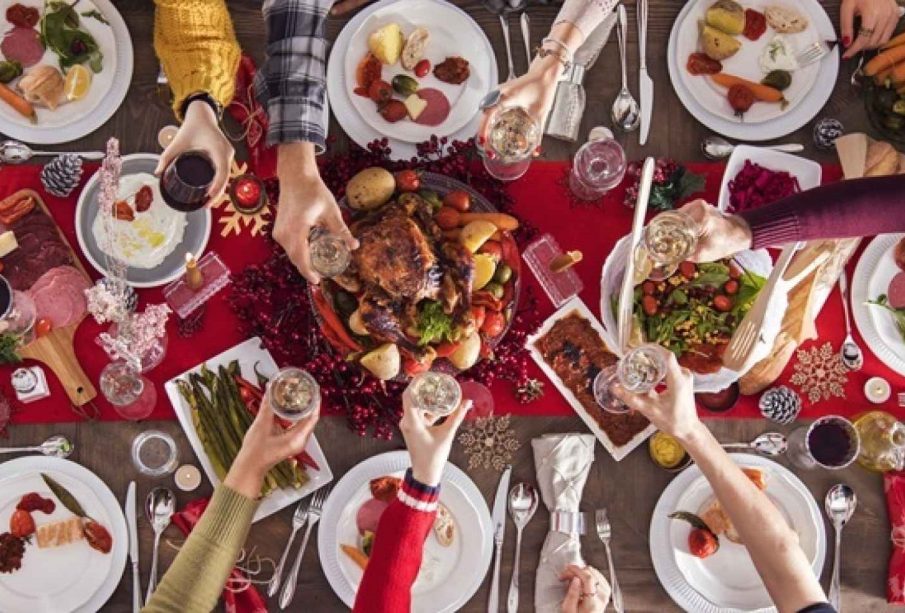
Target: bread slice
x=414 y=48
x=786 y=20
x=60 y=533
x=444 y=526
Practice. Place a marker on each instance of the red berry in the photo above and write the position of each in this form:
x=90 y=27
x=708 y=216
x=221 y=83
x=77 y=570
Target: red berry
x=422 y=68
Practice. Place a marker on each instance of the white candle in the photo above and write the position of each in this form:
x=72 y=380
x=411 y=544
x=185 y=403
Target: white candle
x=188 y=478
x=166 y=136
x=877 y=390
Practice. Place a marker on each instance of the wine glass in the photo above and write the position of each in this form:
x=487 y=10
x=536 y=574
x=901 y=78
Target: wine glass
x=437 y=393
x=186 y=181
x=830 y=442
x=669 y=239
x=293 y=394
x=639 y=371
x=132 y=395
x=17 y=312
x=511 y=143
x=330 y=255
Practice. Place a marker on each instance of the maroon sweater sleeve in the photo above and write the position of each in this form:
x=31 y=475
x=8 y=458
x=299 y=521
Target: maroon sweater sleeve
x=386 y=586
x=859 y=207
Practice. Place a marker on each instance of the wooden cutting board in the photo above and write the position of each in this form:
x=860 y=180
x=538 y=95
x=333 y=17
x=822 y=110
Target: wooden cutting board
x=56 y=349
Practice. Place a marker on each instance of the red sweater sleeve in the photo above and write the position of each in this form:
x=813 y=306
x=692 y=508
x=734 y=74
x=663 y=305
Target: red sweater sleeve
x=386 y=586
x=848 y=209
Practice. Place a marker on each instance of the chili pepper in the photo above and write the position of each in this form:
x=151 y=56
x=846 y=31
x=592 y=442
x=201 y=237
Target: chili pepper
x=332 y=321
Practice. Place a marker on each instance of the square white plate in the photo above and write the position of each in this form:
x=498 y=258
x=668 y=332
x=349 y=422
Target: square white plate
x=808 y=172
x=248 y=353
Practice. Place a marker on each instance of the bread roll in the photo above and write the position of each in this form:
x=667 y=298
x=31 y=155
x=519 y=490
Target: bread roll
x=768 y=370
x=882 y=160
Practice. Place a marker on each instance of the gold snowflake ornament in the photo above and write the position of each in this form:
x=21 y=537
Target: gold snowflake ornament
x=234 y=221
x=820 y=373
x=489 y=442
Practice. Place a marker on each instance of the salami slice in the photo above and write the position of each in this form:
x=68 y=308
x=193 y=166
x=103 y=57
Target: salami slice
x=22 y=45
x=368 y=515
x=59 y=295
x=437 y=109
x=896 y=291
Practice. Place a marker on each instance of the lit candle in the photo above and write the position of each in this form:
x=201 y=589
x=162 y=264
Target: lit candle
x=193 y=277
x=247 y=194
x=188 y=478
x=877 y=390
x=166 y=136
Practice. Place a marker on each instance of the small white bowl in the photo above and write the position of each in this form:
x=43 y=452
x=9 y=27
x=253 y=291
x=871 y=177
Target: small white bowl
x=807 y=171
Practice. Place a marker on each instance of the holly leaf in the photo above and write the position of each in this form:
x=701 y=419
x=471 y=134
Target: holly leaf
x=65 y=496
x=9 y=343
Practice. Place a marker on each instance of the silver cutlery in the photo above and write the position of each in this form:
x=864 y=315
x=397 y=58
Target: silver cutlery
x=523 y=500
x=858 y=74
x=627 y=292
x=850 y=354
x=813 y=53
x=132 y=527
x=298 y=521
x=605 y=533
x=645 y=83
x=718 y=148
x=313 y=516
x=57 y=446
x=768 y=443
x=504 y=24
x=525 y=22
x=159 y=508
x=625 y=114
x=14 y=152
x=840 y=504
x=499 y=532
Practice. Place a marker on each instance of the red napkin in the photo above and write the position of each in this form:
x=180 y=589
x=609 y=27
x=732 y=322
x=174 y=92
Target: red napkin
x=248 y=112
x=894 y=486
x=246 y=601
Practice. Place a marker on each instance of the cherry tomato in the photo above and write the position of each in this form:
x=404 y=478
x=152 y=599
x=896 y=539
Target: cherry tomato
x=650 y=306
x=688 y=269
x=380 y=91
x=447 y=218
x=97 y=536
x=494 y=323
x=422 y=68
x=392 y=111
x=412 y=367
x=478 y=313
x=444 y=350
x=648 y=288
x=492 y=248
x=731 y=287
x=21 y=524
x=408 y=181
x=700 y=63
x=755 y=24
x=458 y=199
x=722 y=304
x=486 y=352
x=43 y=326
x=734 y=271
x=740 y=98
x=702 y=543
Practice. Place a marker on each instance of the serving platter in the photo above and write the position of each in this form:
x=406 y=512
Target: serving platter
x=808 y=172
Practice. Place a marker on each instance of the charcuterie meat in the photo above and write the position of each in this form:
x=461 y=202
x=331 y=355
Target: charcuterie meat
x=22 y=45
x=896 y=291
x=437 y=109
x=59 y=295
x=369 y=515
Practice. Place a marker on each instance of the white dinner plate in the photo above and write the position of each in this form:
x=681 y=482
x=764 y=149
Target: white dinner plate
x=340 y=95
x=874 y=271
x=449 y=576
x=707 y=103
x=74 y=577
x=727 y=581
x=251 y=354
x=108 y=88
x=452 y=33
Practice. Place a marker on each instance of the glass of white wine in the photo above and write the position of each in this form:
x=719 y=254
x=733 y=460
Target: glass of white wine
x=437 y=393
x=293 y=394
x=512 y=141
x=330 y=255
x=669 y=239
x=639 y=371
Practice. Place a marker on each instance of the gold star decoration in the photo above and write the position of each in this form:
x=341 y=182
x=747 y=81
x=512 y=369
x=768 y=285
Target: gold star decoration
x=234 y=221
x=819 y=373
x=489 y=442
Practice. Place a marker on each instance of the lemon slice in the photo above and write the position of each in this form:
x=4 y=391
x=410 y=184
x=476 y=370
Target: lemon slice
x=78 y=82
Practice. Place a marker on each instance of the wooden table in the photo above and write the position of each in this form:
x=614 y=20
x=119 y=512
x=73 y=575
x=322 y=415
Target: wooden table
x=629 y=489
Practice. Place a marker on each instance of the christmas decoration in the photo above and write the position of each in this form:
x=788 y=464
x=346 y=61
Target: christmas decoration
x=235 y=219
x=826 y=131
x=123 y=295
x=529 y=391
x=248 y=113
x=780 y=404
x=673 y=183
x=489 y=442
x=247 y=194
x=61 y=175
x=820 y=373
x=189 y=326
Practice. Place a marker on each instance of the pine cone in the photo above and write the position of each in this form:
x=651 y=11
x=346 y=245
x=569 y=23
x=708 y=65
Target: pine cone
x=61 y=175
x=780 y=404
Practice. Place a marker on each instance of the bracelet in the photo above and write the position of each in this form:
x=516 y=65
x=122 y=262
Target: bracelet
x=203 y=97
x=564 y=57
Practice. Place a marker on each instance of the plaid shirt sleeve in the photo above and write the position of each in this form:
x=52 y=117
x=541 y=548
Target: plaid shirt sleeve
x=292 y=83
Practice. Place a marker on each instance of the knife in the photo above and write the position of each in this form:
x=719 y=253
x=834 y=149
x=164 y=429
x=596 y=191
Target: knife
x=646 y=84
x=627 y=293
x=499 y=531
x=132 y=526
x=525 y=22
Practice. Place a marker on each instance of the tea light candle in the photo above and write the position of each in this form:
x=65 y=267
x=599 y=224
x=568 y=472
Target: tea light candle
x=166 y=136
x=188 y=478
x=247 y=194
x=193 y=277
x=877 y=390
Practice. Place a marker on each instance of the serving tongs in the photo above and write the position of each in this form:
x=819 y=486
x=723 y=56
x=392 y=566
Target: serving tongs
x=627 y=292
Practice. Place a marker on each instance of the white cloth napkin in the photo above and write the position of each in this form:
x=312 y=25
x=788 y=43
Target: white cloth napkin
x=562 y=462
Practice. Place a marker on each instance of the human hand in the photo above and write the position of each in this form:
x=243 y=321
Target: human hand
x=878 y=22
x=200 y=131
x=266 y=444
x=428 y=444
x=347 y=6
x=673 y=410
x=588 y=590
x=719 y=235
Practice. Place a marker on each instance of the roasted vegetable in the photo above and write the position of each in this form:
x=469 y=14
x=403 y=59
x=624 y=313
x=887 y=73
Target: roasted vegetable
x=370 y=188
x=716 y=44
x=777 y=79
x=726 y=16
x=9 y=71
x=404 y=85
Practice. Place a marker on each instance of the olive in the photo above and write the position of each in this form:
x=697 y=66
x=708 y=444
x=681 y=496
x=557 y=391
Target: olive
x=495 y=289
x=9 y=71
x=503 y=274
x=404 y=85
x=778 y=79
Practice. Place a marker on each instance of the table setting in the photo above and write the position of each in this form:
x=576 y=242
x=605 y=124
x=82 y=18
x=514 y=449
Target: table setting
x=142 y=327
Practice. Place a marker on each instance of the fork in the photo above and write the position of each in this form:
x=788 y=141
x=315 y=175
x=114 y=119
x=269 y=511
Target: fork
x=298 y=520
x=814 y=52
x=313 y=515
x=605 y=532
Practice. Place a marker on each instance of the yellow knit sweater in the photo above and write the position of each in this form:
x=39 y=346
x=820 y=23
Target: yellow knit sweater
x=197 y=47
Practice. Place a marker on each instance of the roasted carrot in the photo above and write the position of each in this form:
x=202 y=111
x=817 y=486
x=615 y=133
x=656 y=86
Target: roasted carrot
x=885 y=59
x=897 y=75
x=500 y=220
x=356 y=555
x=762 y=92
x=881 y=77
x=19 y=103
x=895 y=41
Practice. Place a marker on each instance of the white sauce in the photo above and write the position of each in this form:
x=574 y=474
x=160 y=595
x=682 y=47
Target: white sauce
x=779 y=54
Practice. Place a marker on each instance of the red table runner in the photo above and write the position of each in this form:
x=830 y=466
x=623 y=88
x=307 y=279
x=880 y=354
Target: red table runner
x=541 y=200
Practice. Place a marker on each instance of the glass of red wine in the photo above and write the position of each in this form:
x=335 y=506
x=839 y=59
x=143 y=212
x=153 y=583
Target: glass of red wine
x=830 y=442
x=186 y=181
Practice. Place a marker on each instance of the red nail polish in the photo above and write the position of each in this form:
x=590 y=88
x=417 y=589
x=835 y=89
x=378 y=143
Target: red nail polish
x=481 y=140
x=846 y=41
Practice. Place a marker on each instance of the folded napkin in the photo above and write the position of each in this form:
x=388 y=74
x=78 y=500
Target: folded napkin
x=562 y=462
x=894 y=486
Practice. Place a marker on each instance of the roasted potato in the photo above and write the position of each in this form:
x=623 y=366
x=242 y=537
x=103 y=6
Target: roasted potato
x=717 y=45
x=370 y=188
x=726 y=16
x=357 y=325
x=386 y=43
x=383 y=362
x=468 y=352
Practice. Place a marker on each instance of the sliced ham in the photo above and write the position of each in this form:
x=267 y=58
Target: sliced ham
x=369 y=515
x=59 y=296
x=437 y=109
x=896 y=291
x=22 y=45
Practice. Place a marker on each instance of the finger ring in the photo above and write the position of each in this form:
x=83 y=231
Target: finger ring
x=866 y=32
x=491 y=99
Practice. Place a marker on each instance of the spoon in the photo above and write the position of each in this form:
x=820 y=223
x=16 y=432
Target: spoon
x=523 y=501
x=56 y=446
x=14 y=152
x=858 y=74
x=626 y=114
x=502 y=8
x=851 y=354
x=840 y=504
x=718 y=148
x=768 y=443
x=159 y=508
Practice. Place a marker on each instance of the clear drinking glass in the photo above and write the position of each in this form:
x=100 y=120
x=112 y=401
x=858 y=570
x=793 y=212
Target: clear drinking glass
x=293 y=394
x=669 y=239
x=830 y=442
x=17 y=312
x=131 y=395
x=154 y=453
x=511 y=143
x=330 y=255
x=639 y=371
x=434 y=392
x=598 y=167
